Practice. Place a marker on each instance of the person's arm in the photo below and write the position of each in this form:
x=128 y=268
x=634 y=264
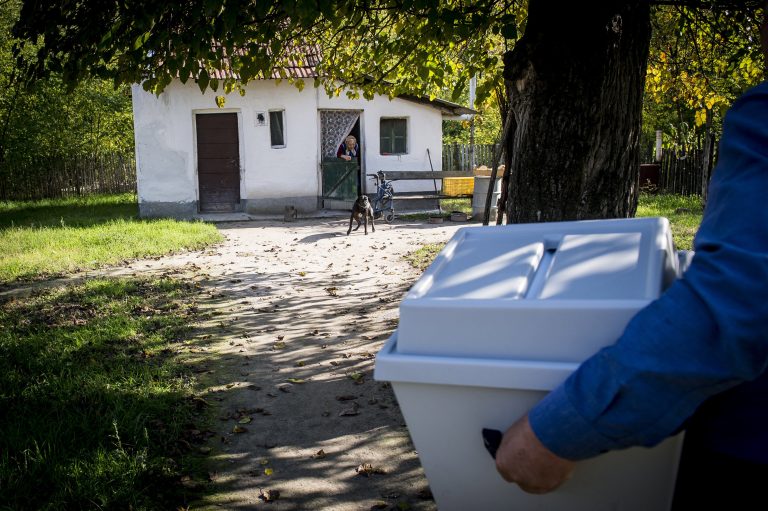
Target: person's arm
x=707 y=333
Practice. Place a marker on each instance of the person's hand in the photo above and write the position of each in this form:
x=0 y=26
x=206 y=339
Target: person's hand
x=524 y=460
x=346 y=157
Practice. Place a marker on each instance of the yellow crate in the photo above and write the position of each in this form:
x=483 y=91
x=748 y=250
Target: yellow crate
x=458 y=186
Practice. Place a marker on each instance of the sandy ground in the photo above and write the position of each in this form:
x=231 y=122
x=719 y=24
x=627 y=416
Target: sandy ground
x=299 y=311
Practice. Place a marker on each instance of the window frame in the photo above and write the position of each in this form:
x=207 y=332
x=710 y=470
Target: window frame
x=281 y=112
x=392 y=136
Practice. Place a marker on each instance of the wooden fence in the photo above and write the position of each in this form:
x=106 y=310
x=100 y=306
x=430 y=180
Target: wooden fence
x=50 y=178
x=458 y=156
x=681 y=173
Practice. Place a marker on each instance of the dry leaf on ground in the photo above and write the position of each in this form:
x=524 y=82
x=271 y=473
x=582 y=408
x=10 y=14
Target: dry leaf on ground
x=366 y=469
x=269 y=495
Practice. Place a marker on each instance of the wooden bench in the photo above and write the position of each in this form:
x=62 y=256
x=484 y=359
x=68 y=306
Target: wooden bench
x=421 y=175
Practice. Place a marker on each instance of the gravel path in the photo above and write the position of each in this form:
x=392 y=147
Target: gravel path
x=299 y=312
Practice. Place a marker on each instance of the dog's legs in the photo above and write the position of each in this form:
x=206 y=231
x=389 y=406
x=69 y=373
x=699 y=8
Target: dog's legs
x=358 y=223
x=373 y=226
x=350 y=224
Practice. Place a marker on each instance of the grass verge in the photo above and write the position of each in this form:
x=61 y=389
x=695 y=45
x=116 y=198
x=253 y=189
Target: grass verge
x=97 y=409
x=684 y=214
x=46 y=238
x=446 y=205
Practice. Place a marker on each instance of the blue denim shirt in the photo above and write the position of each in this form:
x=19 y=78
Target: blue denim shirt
x=706 y=334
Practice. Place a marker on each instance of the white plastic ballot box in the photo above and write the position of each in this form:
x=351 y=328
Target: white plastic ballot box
x=502 y=316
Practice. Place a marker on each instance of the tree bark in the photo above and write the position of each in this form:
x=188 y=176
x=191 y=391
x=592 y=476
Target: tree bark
x=576 y=82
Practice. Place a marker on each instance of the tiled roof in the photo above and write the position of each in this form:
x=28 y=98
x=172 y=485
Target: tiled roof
x=303 y=64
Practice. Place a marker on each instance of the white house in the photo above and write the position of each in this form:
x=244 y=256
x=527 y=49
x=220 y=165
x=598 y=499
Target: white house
x=275 y=147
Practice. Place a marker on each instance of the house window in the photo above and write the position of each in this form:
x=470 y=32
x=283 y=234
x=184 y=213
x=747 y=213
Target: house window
x=393 y=136
x=277 y=128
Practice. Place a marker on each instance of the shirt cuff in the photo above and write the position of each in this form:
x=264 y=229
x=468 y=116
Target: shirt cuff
x=559 y=426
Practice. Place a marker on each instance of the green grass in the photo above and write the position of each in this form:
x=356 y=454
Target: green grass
x=96 y=408
x=45 y=238
x=684 y=214
x=447 y=205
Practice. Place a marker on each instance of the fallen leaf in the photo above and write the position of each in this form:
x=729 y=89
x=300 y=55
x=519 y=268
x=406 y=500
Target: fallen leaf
x=366 y=469
x=239 y=429
x=356 y=377
x=269 y=495
x=204 y=450
x=349 y=412
x=268 y=471
x=278 y=346
x=403 y=506
x=297 y=381
x=264 y=461
x=230 y=385
x=302 y=274
x=319 y=454
x=300 y=363
x=245 y=420
x=332 y=291
x=280 y=337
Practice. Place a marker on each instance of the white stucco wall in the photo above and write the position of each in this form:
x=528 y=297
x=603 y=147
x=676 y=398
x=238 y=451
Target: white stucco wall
x=424 y=131
x=166 y=145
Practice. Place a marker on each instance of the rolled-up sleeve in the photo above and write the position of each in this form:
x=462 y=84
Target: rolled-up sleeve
x=707 y=333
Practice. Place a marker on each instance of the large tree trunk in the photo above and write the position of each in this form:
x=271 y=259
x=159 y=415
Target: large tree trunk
x=576 y=83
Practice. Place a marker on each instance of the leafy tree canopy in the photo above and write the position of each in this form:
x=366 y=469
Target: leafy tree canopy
x=46 y=119
x=386 y=46
x=704 y=52
x=701 y=60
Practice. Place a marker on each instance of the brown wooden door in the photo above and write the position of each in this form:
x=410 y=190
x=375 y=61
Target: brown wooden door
x=218 y=162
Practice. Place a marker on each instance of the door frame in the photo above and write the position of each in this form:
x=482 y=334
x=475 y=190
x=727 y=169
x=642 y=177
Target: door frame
x=361 y=141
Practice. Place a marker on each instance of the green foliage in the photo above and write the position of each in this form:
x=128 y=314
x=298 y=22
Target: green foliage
x=53 y=118
x=52 y=237
x=701 y=60
x=95 y=404
x=410 y=46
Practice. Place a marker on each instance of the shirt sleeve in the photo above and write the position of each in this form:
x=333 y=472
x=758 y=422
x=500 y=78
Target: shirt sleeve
x=707 y=333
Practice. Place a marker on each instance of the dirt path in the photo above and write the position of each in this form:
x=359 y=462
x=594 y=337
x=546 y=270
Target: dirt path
x=299 y=311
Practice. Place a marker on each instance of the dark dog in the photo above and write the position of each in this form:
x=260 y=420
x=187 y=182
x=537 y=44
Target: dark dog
x=362 y=211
